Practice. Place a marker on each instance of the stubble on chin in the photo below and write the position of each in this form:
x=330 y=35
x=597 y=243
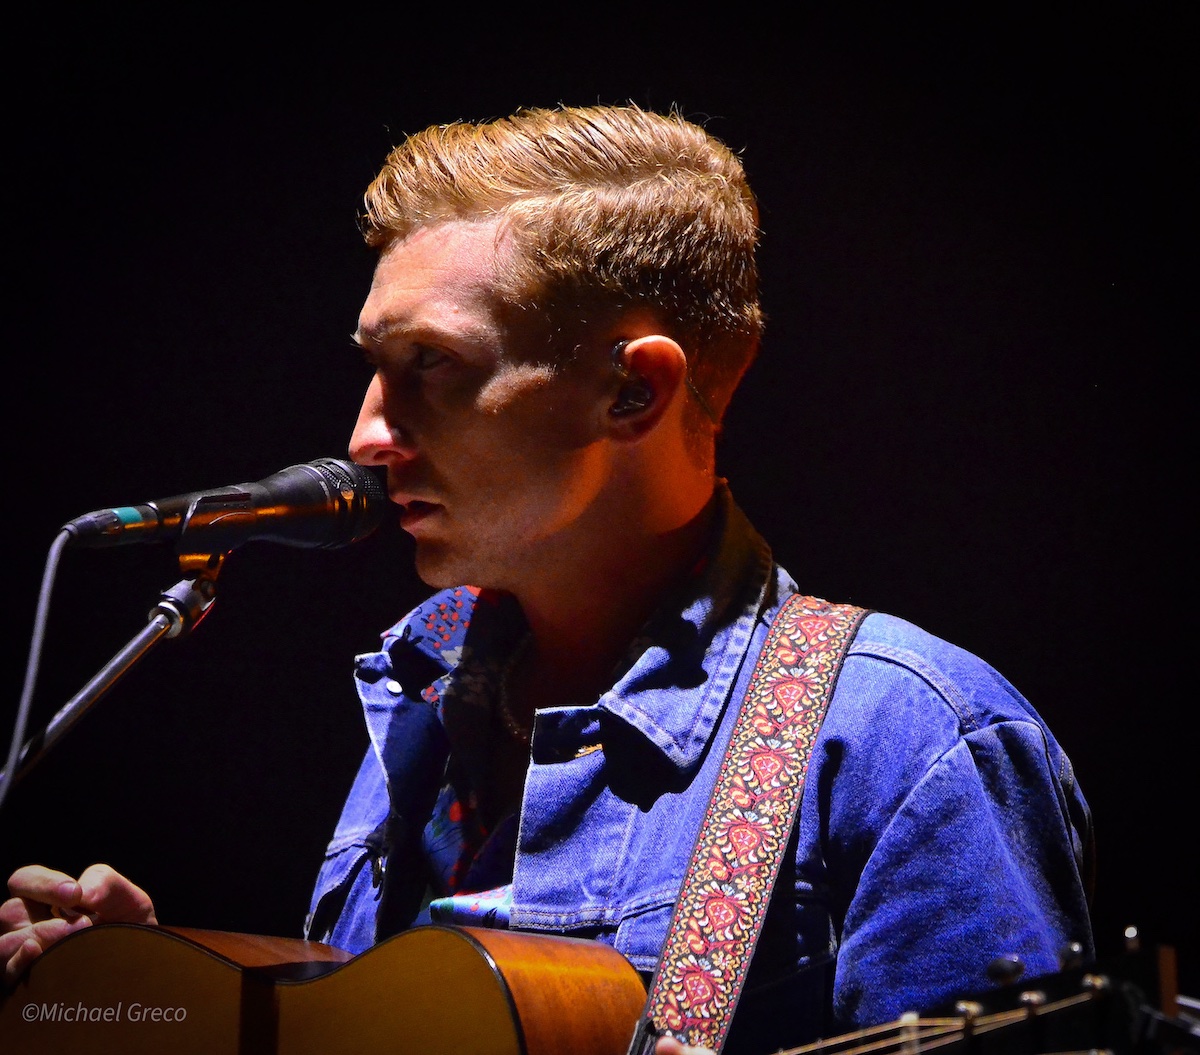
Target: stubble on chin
x=433 y=566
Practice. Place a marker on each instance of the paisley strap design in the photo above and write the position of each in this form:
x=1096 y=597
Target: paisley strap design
x=745 y=830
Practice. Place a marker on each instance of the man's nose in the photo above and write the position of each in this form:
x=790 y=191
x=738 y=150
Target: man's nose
x=377 y=439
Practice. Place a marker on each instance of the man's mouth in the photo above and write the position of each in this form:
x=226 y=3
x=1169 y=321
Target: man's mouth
x=414 y=511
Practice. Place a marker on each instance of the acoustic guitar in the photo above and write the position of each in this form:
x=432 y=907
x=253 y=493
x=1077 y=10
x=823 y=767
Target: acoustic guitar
x=132 y=990
x=122 y=989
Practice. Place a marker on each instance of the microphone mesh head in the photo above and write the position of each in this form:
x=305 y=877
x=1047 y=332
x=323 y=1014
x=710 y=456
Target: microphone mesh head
x=361 y=498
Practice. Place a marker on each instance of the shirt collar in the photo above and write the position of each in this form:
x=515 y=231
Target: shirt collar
x=686 y=661
x=679 y=671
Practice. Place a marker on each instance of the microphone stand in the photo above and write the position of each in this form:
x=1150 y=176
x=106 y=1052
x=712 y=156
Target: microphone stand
x=179 y=609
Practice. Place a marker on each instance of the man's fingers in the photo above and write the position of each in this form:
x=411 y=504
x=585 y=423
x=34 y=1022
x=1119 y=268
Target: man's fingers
x=670 y=1046
x=47 y=905
x=101 y=893
x=21 y=958
x=42 y=934
x=43 y=890
x=19 y=948
x=14 y=914
x=109 y=897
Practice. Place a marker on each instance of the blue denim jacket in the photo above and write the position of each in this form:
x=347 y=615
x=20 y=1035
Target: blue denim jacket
x=940 y=825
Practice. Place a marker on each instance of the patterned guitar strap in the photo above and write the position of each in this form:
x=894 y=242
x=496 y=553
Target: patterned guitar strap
x=745 y=831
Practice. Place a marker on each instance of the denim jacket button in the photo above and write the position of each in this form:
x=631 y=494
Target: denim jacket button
x=393 y=687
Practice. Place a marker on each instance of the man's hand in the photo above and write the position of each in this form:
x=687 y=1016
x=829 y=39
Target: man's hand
x=47 y=905
x=670 y=1046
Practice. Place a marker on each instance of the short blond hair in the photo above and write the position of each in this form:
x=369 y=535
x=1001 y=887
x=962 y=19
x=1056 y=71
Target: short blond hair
x=609 y=208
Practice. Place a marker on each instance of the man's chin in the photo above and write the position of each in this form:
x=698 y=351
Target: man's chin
x=439 y=568
x=432 y=571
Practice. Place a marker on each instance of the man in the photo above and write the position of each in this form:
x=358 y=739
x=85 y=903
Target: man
x=563 y=305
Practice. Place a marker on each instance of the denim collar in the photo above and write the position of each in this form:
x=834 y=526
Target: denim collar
x=678 y=673
x=684 y=664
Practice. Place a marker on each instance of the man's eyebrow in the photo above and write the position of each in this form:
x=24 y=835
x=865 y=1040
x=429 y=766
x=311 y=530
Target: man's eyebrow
x=374 y=337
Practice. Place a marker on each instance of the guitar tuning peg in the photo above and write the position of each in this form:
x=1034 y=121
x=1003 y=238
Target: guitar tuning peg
x=1004 y=970
x=1070 y=956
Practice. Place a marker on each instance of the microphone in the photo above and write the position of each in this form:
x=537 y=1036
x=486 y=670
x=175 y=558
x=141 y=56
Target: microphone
x=322 y=504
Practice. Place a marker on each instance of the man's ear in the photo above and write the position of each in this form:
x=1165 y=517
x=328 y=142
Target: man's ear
x=649 y=371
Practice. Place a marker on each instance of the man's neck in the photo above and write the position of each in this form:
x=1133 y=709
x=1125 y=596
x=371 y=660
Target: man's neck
x=584 y=616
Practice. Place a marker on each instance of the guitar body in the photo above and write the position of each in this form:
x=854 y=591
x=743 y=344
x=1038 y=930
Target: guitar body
x=131 y=990
x=446 y=989
x=122 y=989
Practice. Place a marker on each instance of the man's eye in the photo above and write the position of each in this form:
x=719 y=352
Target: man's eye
x=367 y=354
x=426 y=357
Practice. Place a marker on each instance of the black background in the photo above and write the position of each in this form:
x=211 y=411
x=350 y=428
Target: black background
x=969 y=409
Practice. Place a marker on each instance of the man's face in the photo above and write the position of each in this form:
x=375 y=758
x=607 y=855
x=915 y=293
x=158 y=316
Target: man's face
x=496 y=458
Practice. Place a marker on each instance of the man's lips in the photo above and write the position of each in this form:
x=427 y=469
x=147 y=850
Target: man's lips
x=414 y=511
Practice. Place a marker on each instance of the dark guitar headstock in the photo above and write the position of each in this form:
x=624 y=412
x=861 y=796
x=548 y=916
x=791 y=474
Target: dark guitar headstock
x=1116 y=1005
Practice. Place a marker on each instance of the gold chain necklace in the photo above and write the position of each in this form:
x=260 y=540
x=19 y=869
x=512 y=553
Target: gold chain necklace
x=519 y=731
